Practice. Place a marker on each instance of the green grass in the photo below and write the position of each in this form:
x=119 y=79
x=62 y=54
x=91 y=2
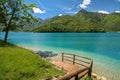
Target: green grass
x=20 y=64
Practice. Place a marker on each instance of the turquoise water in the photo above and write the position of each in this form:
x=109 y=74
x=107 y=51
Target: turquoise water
x=104 y=48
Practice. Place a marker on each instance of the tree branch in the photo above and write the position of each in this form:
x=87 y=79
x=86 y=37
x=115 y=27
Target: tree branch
x=11 y=17
x=2 y=14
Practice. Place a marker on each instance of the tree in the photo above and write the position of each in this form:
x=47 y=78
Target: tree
x=14 y=13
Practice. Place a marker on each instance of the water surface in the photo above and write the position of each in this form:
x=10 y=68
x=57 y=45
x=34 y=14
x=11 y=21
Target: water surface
x=104 y=48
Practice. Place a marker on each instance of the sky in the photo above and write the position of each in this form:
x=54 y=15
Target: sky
x=50 y=8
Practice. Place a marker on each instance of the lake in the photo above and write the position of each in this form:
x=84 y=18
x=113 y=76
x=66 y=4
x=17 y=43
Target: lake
x=104 y=48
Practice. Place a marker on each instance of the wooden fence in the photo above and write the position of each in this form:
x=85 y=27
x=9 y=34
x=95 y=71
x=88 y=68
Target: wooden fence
x=84 y=62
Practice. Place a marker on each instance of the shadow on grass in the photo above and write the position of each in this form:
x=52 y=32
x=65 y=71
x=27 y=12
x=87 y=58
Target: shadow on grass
x=3 y=44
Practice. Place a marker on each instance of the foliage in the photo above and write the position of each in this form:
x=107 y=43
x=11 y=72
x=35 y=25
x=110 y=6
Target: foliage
x=20 y=64
x=14 y=13
x=83 y=21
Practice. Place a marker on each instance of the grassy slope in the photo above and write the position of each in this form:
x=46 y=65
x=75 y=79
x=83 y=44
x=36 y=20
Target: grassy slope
x=20 y=64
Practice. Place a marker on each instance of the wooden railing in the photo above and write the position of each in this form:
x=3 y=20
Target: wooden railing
x=84 y=62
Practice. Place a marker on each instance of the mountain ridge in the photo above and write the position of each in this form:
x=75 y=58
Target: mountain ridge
x=83 y=21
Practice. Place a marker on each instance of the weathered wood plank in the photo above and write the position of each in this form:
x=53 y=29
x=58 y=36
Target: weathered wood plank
x=73 y=74
x=82 y=61
x=83 y=74
x=73 y=58
x=81 y=64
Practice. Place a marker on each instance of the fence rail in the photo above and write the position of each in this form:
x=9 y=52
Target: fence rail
x=86 y=62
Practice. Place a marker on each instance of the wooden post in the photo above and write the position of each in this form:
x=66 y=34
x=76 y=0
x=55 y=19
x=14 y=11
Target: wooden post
x=73 y=59
x=76 y=77
x=62 y=57
x=90 y=69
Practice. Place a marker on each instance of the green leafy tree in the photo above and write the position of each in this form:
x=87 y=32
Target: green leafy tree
x=15 y=13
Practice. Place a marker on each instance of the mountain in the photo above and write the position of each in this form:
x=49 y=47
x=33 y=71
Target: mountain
x=30 y=26
x=25 y=26
x=83 y=21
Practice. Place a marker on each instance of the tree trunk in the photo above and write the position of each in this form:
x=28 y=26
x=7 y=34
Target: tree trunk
x=6 y=34
x=8 y=26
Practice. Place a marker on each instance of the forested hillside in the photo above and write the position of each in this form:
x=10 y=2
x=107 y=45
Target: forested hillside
x=83 y=21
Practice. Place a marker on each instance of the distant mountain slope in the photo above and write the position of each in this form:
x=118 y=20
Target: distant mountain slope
x=83 y=21
x=25 y=26
x=30 y=26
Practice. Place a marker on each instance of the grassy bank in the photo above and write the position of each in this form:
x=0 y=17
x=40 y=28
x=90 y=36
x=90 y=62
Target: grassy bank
x=20 y=64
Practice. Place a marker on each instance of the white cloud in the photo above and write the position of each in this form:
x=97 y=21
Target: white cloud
x=85 y=3
x=75 y=12
x=117 y=11
x=103 y=12
x=38 y=10
x=83 y=6
x=118 y=0
x=60 y=14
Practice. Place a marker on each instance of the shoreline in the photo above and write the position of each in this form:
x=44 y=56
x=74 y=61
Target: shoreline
x=104 y=63
x=58 y=58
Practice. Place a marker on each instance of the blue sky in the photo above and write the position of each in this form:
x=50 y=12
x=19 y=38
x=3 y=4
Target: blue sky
x=50 y=8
